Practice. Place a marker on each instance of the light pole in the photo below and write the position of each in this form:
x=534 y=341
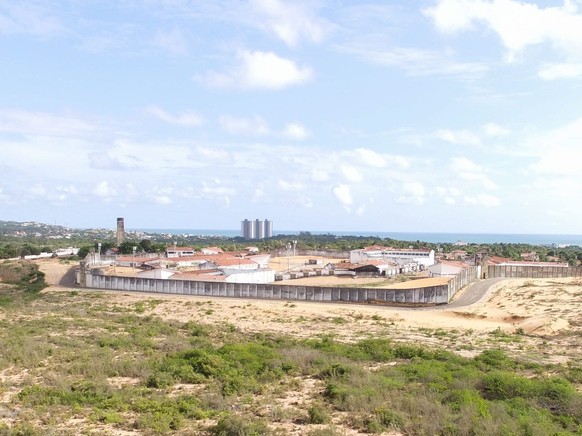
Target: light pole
x=133 y=257
x=288 y=259
x=99 y=251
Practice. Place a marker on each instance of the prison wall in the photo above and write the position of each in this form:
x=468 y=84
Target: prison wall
x=432 y=295
x=462 y=279
x=532 y=272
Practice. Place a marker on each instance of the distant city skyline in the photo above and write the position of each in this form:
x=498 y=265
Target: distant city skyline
x=427 y=116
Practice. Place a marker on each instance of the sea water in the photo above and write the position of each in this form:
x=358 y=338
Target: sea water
x=477 y=238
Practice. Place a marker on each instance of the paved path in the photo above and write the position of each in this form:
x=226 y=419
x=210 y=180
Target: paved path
x=475 y=292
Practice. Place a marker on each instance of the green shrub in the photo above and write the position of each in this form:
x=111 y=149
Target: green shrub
x=462 y=399
x=500 y=385
x=383 y=419
x=495 y=358
x=325 y=431
x=160 y=380
x=234 y=425
x=318 y=414
x=335 y=370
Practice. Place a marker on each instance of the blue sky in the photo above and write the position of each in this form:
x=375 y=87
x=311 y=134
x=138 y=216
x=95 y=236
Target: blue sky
x=420 y=116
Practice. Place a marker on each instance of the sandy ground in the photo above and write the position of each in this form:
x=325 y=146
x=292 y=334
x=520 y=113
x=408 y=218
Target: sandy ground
x=539 y=319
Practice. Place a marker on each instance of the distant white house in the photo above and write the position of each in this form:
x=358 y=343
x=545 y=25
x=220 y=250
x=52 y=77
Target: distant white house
x=211 y=250
x=255 y=276
x=156 y=273
x=179 y=251
x=446 y=269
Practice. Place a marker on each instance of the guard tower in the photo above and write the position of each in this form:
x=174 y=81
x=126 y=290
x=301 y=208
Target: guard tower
x=120 y=231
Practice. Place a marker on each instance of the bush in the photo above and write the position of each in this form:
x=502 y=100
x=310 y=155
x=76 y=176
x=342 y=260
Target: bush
x=383 y=419
x=318 y=414
x=234 y=425
x=495 y=359
x=504 y=385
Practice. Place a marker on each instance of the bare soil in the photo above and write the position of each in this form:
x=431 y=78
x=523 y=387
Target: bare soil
x=543 y=316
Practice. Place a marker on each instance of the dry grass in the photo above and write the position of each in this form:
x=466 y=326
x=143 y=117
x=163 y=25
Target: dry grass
x=72 y=334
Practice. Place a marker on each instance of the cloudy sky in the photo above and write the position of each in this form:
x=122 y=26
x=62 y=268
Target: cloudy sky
x=423 y=115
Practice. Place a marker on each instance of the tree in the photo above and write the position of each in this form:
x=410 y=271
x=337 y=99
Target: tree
x=146 y=245
x=127 y=247
x=84 y=251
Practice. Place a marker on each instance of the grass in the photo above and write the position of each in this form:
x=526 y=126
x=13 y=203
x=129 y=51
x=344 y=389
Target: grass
x=63 y=356
x=21 y=282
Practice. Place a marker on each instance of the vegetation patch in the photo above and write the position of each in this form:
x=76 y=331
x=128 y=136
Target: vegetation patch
x=63 y=356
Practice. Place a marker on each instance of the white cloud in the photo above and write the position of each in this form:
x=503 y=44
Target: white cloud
x=482 y=200
x=460 y=137
x=469 y=171
x=295 y=131
x=162 y=199
x=290 y=21
x=493 y=129
x=28 y=18
x=462 y=165
x=172 y=41
x=448 y=194
x=561 y=71
x=259 y=194
x=415 y=61
x=401 y=162
x=261 y=70
x=343 y=194
x=3 y=196
x=351 y=174
x=370 y=157
x=41 y=123
x=319 y=175
x=38 y=190
x=104 y=190
x=412 y=193
x=187 y=118
x=518 y=24
x=217 y=190
x=289 y=186
x=304 y=201
x=247 y=126
x=212 y=154
x=557 y=152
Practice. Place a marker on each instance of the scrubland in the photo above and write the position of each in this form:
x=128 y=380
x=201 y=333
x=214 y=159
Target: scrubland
x=77 y=361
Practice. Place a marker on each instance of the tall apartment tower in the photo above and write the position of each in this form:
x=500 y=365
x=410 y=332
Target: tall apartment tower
x=268 y=228
x=247 y=229
x=120 y=231
x=257 y=229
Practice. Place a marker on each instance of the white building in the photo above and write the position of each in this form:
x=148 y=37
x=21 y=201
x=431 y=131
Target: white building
x=156 y=273
x=211 y=250
x=179 y=251
x=446 y=269
x=423 y=257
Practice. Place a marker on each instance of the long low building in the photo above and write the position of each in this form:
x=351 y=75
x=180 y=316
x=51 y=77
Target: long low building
x=423 y=257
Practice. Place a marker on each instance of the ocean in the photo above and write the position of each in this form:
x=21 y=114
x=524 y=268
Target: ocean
x=478 y=238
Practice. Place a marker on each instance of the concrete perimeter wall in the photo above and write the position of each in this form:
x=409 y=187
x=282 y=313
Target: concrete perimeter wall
x=464 y=278
x=532 y=272
x=414 y=296
x=313 y=253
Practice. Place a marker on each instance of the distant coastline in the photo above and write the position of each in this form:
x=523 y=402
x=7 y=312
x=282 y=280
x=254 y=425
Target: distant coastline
x=478 y=238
